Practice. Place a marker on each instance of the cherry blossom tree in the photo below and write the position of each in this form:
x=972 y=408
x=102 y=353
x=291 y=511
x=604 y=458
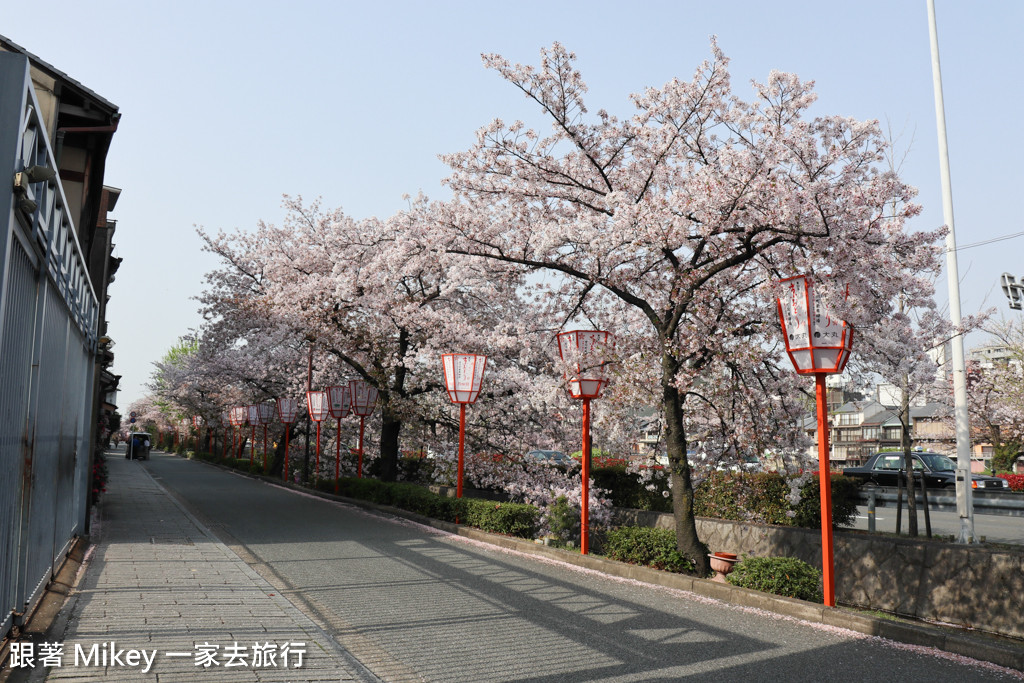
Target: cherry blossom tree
x=996 y=394
x=671 y=227
x=382 y=300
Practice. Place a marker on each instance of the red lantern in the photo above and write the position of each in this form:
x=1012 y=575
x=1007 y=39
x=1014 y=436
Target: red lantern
x=316 y=402
x=364 y=398
x=287 y=409
x=339 y=399
x=818 y=345
x=815 y=341
x=463 y=377
x=584 y=351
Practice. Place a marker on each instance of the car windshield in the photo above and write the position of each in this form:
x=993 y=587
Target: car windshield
x=938 y=463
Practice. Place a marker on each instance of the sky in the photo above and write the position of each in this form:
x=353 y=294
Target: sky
x=228 y=106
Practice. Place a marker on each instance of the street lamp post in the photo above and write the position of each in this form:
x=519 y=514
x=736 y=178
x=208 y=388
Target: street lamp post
x=364 y=398
x=584 y=351
x=316 y=402
x=463 y=377
x=287 y=408
x=817 y=345
x=266 y=413
x=340 y=400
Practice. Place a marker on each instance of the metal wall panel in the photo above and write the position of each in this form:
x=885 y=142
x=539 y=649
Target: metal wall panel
x=48 y=314
x=16 y=345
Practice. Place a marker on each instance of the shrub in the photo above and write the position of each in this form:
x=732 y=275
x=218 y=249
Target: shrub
x=513 y=519
x=845 y=493
x=763 y=497
x=1016 y=481
x=786 y=576
x=648 y=547
x=627 y=491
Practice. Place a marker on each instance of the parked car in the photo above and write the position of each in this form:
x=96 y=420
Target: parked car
x=137 y=446
x=550 y=457
x=938 y=471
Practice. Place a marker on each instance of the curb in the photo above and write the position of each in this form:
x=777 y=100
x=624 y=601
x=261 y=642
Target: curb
x=1005 y=655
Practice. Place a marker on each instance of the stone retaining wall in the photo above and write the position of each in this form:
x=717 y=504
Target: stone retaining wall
x=972 y=586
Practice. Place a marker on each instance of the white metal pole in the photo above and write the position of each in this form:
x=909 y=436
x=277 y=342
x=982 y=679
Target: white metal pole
x=964 y=504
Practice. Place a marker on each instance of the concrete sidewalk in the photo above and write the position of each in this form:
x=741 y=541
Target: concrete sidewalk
x=161 y=599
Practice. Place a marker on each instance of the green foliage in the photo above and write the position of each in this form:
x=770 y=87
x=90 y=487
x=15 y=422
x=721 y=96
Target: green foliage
x=513 y=519
x=845 y=492
x=563 y=520
x=626 y=491
x=648 y=547
x=763 y=497
x=786 y=576
x=415 y=469
x=1005 y=456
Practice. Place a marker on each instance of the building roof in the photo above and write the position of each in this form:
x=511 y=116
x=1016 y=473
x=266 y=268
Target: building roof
x=67 y=81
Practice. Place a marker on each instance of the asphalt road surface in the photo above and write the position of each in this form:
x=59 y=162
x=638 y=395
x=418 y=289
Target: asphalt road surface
x=992 y=528
x=411 y=603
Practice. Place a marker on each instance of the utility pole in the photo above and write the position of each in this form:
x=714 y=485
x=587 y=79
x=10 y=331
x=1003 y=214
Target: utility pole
x=964 y=502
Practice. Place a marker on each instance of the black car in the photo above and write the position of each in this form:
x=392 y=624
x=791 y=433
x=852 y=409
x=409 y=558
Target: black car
x=938 y=471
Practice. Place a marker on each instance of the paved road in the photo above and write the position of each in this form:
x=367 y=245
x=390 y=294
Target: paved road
x=994 y=528
x=412 y=603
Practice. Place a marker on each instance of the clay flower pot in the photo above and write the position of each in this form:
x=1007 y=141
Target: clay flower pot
x=722 y=564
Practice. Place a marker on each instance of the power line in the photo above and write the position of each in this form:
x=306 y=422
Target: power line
x=994 y=239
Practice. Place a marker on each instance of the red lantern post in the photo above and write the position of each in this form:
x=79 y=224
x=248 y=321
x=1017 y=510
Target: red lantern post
x=287 y=409
x=364 y=399
x=817 y=345
x=583 y=350
x=340 y=400
x=463 y=377
x=266 y=413
x=316 y=402
x=238 y=418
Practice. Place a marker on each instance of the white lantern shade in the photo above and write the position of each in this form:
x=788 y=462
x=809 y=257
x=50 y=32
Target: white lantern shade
x=363 y=396
x=253 y=413
x=267 y=412
x=584 y=350
x=197 y=421
x=815 y=341
x=225 y=418
x=287 y=409
x=239 y=415
x=463 y=376
x=339 y=400
x=316 y=402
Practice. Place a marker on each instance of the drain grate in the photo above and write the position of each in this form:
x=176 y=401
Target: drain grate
x=171 y=540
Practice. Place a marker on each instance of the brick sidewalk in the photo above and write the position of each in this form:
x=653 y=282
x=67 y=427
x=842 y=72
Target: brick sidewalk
x=159 y=581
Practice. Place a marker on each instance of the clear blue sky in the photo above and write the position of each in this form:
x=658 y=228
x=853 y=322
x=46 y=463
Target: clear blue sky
x=226 y=106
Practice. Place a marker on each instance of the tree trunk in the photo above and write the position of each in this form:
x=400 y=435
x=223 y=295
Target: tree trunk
x=908 y=460
x=390 y=429
x=679 y=467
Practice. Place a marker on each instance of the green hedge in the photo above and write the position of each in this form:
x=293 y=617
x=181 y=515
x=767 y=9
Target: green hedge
x=786 y=576
x=513 y=519
x=762 y=497
x=648 y=547
x=626 y=491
